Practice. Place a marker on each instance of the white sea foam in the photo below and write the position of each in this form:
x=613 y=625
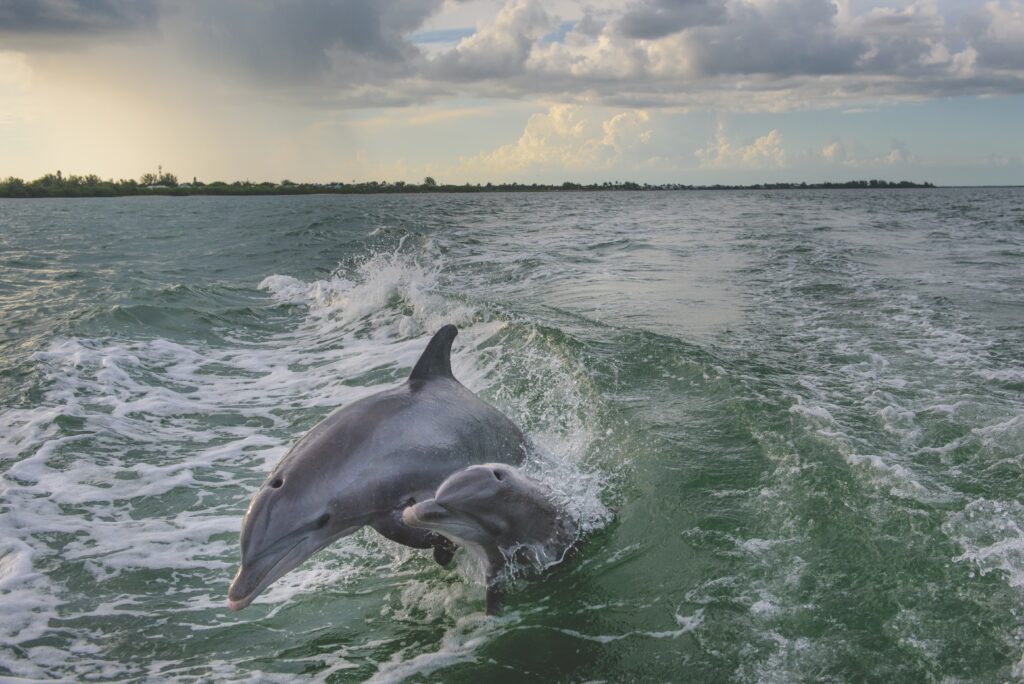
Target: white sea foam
x=902 y=481
x=458 y=644
x=991 y=534
x=890 y=385
x=819 y=412
x=1002 y=374
x=27 y=606
x=686 y=624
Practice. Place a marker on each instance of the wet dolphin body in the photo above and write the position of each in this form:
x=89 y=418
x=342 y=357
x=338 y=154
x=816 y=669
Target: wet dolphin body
x=501 y=516
x=365 y=463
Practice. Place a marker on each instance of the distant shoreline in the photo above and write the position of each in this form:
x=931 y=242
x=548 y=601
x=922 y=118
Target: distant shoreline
x=56 y=185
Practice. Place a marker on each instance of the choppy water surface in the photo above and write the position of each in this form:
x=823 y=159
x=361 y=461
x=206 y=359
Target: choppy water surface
x=807 y=409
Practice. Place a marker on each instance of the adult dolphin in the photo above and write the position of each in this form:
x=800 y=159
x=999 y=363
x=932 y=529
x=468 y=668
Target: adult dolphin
x=365 y=463
x=500 y=516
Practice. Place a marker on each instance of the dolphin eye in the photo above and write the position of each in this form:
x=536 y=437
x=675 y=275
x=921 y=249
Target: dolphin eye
x=322 y=520
x=498 y=475
x=277 y=483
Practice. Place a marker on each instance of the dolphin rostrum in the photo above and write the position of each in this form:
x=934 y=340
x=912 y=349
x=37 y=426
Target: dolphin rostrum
x=365 y=463
x=506 y=519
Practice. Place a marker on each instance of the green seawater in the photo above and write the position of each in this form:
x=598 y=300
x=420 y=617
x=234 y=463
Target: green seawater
x=792 y=423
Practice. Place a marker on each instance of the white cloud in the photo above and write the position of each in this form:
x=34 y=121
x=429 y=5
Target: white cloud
x=746 y=55
x=498 y=49
x=996 y=32
x=564 y=138
x=1006 y=21
x=897 y=38
x=834 y=152
x=720 y=153
x=962 y=63
x=852 y=155
x=899 y=154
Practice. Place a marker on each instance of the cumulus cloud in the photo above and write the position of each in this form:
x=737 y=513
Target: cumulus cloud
x=721 y=153
x=834 y=152
x=852 y=154
x=962 y=63
x=740 y=54
x=899 y=39
x=1005 y=161
x=565 y=138
x=499 y=49
x=996 y=32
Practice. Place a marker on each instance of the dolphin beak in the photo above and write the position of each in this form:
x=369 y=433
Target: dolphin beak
x=253 y=577
x=267 y=567
x=238 y=605
x=425 y=513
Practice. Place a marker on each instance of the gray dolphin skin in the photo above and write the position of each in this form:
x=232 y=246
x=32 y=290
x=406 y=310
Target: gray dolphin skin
x=365 y=463
x=501 y=516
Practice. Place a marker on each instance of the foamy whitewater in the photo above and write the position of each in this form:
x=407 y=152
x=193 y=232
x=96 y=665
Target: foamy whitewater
x=789 y=424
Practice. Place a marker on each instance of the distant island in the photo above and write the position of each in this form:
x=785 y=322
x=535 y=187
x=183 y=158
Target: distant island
x=59 y=185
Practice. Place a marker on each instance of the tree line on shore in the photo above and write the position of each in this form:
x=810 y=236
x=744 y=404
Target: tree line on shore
x=59 y=185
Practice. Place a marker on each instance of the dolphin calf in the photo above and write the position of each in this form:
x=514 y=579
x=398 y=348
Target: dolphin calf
x=365 y=463
x=503 y=517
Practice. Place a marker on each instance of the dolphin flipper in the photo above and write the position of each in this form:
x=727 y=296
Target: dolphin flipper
x=444 y=551
x=495 y=596
x=496 y=580
x=394 y=529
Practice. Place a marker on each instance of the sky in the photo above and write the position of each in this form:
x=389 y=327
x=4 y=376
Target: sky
x=683 y=91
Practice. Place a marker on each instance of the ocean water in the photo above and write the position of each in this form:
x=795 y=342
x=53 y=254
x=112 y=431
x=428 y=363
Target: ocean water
x=792 y=424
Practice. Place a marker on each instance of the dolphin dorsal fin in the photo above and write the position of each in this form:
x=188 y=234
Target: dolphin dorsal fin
x=436 y=359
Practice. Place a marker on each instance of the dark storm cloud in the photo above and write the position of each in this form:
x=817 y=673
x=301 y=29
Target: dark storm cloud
x=659 y=18
x=782 y=38
x=75 y=17
x=372 y=28
x=278 y=42
x=355 y=40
